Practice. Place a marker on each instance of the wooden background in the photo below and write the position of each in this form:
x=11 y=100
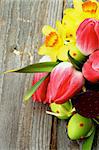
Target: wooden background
x=27 y=127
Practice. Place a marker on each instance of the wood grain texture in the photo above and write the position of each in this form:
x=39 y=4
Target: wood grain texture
x=27 y=127
x=23 y=127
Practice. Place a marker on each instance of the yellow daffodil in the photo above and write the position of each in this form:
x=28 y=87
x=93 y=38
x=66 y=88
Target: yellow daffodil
x=88 y=8
x=58 y=41
x=82 y=10
x=69 y=38
x=68 y=33
x=53 y=43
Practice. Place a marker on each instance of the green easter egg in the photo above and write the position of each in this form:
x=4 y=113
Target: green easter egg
x=76 y=54
x=61 y=111
x=79 y=126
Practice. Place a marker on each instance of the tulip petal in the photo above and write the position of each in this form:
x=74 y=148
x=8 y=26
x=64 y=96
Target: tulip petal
x=95 y=65
x=65 y=81
x=90 y=68
x=74 y=86
x=97 y=30
x=40 y=93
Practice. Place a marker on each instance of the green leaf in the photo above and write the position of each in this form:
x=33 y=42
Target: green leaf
x=33 y=89
x=76 y=64
x=38 y=67
x=87 y=144
x=96 y=121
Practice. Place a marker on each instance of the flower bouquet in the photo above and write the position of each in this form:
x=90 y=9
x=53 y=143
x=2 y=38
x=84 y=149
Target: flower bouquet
x=67 y=76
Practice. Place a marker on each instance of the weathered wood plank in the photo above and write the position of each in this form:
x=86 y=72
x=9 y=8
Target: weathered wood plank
x=23 y=126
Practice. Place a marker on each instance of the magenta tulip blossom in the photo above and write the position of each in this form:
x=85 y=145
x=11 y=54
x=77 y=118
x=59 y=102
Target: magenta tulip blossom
x=40 y=93
x=64 y=83
x=88 y=36
x=91 y=67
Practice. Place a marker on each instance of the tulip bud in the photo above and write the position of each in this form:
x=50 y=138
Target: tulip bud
x=88 y=36
x=64 y=83
x=79 y=127
x=61 y=111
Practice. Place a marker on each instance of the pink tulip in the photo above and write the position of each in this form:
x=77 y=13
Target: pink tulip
x=91 y=67
x=40 y=93
x=88 y=36
x=64 y=83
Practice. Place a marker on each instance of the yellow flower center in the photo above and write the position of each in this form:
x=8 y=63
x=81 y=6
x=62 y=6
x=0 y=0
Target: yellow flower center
x=89 y=6
x=51 y=39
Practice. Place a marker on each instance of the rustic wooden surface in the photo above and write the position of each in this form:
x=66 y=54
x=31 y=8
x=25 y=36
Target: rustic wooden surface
x=27 y=127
